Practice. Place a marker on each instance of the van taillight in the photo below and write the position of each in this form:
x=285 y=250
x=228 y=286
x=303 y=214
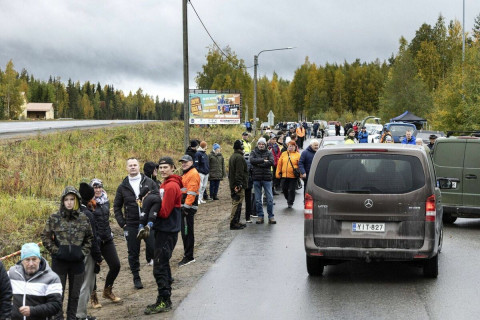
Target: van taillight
x=430 y=212
x=308 y=207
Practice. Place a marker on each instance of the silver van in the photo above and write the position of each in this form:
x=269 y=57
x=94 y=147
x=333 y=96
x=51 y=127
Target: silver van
x=374 y=203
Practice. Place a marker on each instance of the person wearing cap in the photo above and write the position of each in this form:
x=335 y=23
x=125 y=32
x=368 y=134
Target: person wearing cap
x=238 y=182
x=5 y=294
x=128 y=213
x=101 y=214
x=247 y=146
x=68 y=237
x=262 y=162
x=350 y=138
x=217 y=170
x=202 y=165
x=36 y=288
x=363 y=135
x=431 y=143
x=409 y=138
x=166 y=227
x=94 y=260
x=191 y=185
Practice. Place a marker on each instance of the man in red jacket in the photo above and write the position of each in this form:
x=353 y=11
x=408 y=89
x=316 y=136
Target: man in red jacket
x=166 y=226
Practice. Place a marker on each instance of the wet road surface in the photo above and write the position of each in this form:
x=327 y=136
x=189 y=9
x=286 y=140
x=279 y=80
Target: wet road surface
x=262 y=275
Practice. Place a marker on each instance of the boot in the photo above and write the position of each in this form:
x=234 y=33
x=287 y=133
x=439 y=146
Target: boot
x=94 y=300
x=108 y=294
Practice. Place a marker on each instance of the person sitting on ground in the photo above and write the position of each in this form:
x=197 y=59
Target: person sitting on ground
x=37 y=290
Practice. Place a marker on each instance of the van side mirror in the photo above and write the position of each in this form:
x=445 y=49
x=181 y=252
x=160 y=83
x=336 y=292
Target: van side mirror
x=447 y=183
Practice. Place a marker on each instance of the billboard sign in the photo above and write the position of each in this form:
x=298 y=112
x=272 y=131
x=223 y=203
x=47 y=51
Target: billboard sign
x=214 y=108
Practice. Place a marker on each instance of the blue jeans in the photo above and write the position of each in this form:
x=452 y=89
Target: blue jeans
x=267 y=187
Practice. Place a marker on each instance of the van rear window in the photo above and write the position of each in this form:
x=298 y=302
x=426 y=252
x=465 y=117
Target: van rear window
x=370 y=173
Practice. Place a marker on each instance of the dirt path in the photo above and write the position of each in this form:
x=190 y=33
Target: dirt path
x=212 y=236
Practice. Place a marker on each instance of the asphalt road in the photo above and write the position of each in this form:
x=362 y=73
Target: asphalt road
x=262 y=275
x=9 y=128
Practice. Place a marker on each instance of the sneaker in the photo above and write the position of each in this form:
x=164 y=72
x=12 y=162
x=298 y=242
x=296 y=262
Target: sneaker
x=259 y=221
x=163 y=305
x=150 y=263
x=200 y=201
x=87 y=318
x=248 y=221
x=272 y=221
x=185 y=261
x=146 y=232
x=290 y=206
x=254 y=215
x=137 y=282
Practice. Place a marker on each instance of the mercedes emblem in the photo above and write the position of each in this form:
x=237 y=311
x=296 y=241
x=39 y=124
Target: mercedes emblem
x=368 y=203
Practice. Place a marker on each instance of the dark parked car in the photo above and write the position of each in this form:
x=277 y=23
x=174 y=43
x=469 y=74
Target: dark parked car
x=373 y=202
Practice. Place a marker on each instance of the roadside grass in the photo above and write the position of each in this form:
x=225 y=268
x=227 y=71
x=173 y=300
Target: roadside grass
x=34 y=171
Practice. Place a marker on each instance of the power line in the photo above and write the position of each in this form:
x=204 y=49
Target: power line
x=214 y=42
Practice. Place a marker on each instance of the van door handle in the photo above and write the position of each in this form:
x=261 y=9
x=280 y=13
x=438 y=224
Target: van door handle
x=470 y=176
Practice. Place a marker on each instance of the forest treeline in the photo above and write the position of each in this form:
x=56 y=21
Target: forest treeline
x=428 y=76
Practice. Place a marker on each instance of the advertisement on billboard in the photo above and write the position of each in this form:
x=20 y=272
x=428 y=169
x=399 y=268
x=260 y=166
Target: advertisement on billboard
x=214 y=108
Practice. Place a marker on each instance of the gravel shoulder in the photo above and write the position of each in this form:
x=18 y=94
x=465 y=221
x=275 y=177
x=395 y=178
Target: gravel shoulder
x=212 y=237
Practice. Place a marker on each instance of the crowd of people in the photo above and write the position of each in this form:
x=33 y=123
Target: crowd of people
x=153 y=207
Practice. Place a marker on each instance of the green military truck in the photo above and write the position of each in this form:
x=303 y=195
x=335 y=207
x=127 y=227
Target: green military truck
x=458 y=158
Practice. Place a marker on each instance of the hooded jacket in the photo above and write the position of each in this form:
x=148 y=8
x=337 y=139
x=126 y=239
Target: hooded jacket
x=148 y=169
x=237 y=170
x=5 y=294
x=101 y=213
x=170 y=215
x=201 y=161
x=42 y=292
x=217 y=166
x=67 y=234
x=125 y=198
x=95 y=252
x=305 y=161
x=261 y=169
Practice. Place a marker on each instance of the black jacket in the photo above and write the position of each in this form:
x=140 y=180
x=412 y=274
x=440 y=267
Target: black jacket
x=5 y=294
x=95 y=252
x=191 y=152
x=261 y=169
x=102 y=216
x=125 y=198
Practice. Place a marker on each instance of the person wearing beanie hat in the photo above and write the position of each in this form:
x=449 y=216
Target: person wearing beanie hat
x=101 y=214
x=37 y=290
x=262 y=163
x=192 y=148
x=216 y=163
x=202 y=165
x=68 y=237
x=94 y=259
x=350 y=138
x=238 y=182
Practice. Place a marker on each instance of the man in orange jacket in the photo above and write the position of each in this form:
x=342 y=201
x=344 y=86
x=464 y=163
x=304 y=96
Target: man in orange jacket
x=191 y=185
x=300 y=131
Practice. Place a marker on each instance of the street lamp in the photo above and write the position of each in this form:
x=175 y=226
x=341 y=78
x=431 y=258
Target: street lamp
x=255 y=64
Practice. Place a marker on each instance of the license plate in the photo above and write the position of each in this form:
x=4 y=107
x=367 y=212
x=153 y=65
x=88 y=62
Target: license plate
x=368 y=227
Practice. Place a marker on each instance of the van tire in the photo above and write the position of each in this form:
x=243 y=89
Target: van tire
x=315 y=266
x=430 y=267
x=448 y=218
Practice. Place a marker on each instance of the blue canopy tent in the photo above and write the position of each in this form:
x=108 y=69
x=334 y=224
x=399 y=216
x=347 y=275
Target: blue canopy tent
x=409 y=117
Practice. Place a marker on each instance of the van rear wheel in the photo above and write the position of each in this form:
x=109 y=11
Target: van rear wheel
x=448 y=218
x=315 y=266
x=430 y=267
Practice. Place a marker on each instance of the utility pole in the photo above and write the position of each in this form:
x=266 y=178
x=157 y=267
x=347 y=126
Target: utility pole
x=186 y=90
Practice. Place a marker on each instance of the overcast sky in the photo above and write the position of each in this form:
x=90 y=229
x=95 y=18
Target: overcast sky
x=132 y=44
